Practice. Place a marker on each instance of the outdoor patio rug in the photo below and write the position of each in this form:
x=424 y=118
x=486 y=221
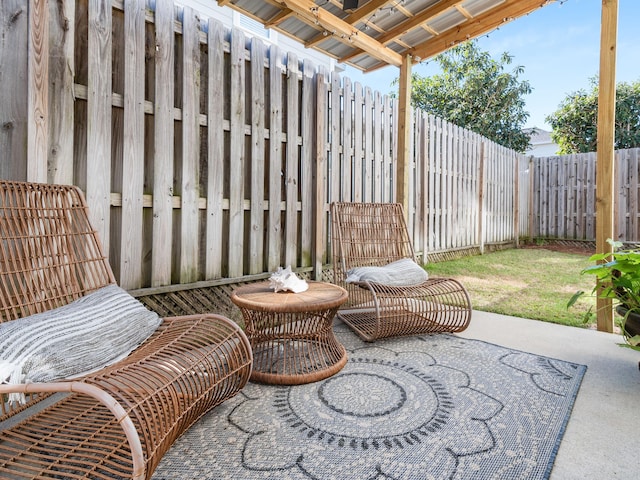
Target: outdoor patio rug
x=425 y=407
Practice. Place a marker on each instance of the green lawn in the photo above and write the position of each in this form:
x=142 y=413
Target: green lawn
x=529 y=283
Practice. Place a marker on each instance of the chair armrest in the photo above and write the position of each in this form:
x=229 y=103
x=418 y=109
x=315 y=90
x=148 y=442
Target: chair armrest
x=103 y=397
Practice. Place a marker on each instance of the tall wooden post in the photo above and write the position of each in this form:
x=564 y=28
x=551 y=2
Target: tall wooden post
x=605 y=175
x=404 y=135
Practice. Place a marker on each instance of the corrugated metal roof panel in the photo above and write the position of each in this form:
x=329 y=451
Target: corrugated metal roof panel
x=338 y=48
x=477 y=7
x=416 y=36
x=298 y=29
x=446 y=21
x=261 y=10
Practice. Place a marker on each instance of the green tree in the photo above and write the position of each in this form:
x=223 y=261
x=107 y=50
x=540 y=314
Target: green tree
x=475 y=91
x=575 y=122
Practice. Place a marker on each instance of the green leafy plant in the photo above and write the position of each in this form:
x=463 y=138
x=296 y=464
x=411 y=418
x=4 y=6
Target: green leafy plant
x=575 y=121
x=478 y=92
x=618 y=277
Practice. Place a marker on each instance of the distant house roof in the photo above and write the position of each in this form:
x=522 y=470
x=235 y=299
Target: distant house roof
x=541 y=144
x=539 y=136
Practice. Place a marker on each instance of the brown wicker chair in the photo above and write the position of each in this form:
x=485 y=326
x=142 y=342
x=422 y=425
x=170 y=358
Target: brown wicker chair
x=375 y=234
x=118 y=422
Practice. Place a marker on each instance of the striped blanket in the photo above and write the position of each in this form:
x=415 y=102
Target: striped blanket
x=84 y=336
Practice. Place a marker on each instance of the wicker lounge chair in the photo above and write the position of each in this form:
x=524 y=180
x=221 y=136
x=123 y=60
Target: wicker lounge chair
x=120 y=420
x=375 y=235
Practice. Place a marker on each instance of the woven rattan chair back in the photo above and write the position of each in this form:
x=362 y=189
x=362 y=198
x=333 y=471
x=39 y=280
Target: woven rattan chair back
x=376 y=234
x=368 y=234
x=50 y=255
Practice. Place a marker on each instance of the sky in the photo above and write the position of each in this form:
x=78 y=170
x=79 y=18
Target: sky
x=559 y=48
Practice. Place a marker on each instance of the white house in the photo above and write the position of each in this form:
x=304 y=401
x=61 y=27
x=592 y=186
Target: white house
x=541 y=143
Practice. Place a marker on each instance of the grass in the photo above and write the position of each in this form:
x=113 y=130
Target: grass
x=529 y=283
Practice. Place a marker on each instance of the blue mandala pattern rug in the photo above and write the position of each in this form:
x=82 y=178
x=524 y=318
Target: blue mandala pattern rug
x=425 y=407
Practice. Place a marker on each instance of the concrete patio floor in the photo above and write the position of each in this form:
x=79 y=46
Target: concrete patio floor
x=600 y=442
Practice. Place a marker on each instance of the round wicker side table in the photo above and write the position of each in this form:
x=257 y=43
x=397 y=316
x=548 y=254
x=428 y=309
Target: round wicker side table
x=291 y=334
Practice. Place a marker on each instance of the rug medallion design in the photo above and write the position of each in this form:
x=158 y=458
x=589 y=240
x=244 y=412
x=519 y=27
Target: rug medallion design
x=425 y=407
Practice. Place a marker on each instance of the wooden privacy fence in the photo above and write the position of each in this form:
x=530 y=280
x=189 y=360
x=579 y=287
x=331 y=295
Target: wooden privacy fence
x=563 y=196
x=207 y=156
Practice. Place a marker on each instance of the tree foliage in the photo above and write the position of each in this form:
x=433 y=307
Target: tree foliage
x=475 y=91
x=575 y=122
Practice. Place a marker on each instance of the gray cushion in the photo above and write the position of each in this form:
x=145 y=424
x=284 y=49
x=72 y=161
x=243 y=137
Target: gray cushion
x=404 y=272
x=83 y=336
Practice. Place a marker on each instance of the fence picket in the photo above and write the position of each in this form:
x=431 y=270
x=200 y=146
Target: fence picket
x=190 y=151
x=358 y=140
x=367 y=161
x=61 y=71
x=215 y=150
x=307 y=161
x=163 y=145
x=133 y=146
x=274 y=229
x=98 y=162
x=236 y=151
x=256 y=220
x=334 y=139
x=346 y=174
x=633 y=231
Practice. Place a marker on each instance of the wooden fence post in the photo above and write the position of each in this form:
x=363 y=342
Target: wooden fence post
x=481 y=187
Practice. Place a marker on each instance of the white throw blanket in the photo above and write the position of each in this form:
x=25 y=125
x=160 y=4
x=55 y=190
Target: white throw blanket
x=401 y=273
x=84 y=336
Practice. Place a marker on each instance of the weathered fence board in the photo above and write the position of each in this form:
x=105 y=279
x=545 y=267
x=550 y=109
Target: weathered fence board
x=236 y=153
x=163 y=125
x=132 y=164
x=307 y=172
x=61 y=70
x=291 y=163
x=215 y=150
x=14 y=17
x=256 y=237
x=189 y=155
x=275 y=159
x=38 y=91
x=98 y=140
